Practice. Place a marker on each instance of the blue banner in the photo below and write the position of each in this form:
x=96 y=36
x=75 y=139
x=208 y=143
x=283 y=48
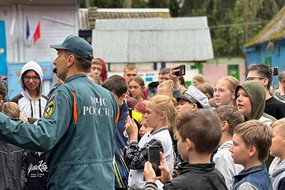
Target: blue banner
x=3 y=55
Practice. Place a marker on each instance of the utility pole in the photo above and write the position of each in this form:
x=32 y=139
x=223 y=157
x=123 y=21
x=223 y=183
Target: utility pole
x=87 y=3
x=127 y=4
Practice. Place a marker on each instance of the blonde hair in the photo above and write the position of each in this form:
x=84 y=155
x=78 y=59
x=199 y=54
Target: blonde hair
x=163 y=103
x=231 y=82
x=280 y=126
x=10 y=109
x=200 y=78
x=258 y=134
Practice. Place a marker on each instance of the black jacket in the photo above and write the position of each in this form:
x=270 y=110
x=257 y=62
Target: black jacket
x=275 y=107
x=13 y=169
x=196 y=177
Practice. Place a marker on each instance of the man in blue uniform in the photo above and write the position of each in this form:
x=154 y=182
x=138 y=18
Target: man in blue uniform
x=77 y=128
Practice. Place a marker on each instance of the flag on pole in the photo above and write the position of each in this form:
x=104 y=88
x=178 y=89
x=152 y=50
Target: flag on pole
x=27 y=28
x=37 y=33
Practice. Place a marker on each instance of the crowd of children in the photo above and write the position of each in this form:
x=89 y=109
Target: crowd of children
x=217 y=139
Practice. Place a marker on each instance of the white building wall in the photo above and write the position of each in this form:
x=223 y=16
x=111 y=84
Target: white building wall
x=58 y=19
x=57 y=22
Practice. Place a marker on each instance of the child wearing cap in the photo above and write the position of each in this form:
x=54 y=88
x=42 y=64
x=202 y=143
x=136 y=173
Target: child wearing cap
x=191 y=99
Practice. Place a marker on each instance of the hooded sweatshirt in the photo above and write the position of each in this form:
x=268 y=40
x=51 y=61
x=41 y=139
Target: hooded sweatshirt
x=257 y=96
x=103 y=74
x=278 y=176
x=30 y=108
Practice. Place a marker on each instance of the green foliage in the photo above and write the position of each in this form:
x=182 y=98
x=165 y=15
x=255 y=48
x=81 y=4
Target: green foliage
x=158 y=3
x=107 y=3
x=82 y=4
x=139 y=4
x=174 y=8
x=231 y=21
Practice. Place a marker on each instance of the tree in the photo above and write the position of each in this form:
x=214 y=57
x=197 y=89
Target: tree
x=107 y=3
x=174 y=7
x=231 y=21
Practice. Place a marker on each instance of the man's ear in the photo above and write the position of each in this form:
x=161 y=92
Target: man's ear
x=70 y=60
x=123 y=96
x=265 y=82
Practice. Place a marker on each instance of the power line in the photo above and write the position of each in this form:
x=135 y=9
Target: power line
x=238 y=24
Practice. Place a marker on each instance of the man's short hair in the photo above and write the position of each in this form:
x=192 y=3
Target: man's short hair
x=263 y=71
x=82 y=63
x=258 y=134
x=130 y=66
x=10 y=109
x=231 y=115
x=164 y=71
x=116 y=84
x=202 y=127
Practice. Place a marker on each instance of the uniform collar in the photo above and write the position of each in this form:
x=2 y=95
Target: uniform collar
x=74 y=77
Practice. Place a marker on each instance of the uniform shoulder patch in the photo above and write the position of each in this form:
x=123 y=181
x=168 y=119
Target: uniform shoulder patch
x=49 y=109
